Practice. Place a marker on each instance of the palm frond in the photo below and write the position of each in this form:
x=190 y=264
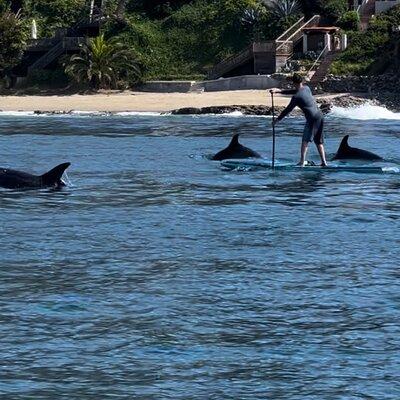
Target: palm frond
x=102 y=63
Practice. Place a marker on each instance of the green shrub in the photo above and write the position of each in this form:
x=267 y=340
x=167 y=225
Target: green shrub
x=188 y=42
x=13 y=34
x=52 y=14
x=334 y=9
x=350 y=68
x=370 y=52
x=349 y=21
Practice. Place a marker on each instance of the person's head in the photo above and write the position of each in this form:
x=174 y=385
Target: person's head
x=297 y=80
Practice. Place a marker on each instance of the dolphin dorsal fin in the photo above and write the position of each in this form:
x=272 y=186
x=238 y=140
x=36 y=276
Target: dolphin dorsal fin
x=54 y=175
x=235 y=140
x=344 y=143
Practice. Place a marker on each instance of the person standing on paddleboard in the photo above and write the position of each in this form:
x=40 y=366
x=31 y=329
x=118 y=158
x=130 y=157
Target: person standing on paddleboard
x=313 y=131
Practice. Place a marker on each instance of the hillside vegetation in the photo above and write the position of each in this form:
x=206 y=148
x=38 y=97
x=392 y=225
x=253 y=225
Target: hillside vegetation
x=181 y=39
x=374 y=51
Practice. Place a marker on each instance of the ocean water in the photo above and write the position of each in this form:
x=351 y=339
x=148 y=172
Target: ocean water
x=157 y=275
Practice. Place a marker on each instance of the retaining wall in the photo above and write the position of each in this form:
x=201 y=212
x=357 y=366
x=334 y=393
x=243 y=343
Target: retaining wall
x=245 y=82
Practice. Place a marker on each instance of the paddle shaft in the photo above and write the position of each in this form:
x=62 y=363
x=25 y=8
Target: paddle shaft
x=273 y=130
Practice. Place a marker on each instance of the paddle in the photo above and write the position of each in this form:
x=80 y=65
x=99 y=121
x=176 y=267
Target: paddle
x=273 y=129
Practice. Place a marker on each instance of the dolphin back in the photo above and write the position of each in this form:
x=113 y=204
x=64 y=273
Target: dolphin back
x=347 y=152
x=341 y=152
x=235 y=150
x=53 y=177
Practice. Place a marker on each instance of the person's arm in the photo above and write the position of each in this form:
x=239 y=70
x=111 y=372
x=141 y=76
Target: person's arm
x=288 y=109
x=288 y=91
x=283 y=91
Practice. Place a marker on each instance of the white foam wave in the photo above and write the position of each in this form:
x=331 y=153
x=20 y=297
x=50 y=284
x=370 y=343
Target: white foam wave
x=80 y=113
x=140 y=113
x=365 y=112
x=234 y=114
x=17 y=113
x=84 y=113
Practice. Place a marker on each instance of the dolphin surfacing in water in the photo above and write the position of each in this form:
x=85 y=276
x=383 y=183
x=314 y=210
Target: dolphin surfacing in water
x=345 y=152
x=235 y=150
x=12 y=179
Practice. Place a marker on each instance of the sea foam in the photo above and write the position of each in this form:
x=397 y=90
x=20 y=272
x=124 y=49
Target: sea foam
x=365 y=112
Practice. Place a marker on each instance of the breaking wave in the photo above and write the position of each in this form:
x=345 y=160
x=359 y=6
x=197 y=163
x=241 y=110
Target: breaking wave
x=365 y=112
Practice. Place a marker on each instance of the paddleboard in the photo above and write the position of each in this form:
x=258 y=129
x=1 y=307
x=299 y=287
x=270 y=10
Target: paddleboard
x=266 y=164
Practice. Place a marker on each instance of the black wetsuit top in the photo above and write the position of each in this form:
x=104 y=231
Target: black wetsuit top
x=304 y=99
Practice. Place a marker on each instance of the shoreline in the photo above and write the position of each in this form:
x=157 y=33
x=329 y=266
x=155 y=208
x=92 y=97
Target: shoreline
x=130 y=101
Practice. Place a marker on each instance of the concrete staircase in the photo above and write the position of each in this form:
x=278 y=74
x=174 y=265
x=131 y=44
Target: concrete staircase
x=267 y=57
x=232 y=62
x=63 y=45
x=323 y=69
x=366 y=11
x=44 y=52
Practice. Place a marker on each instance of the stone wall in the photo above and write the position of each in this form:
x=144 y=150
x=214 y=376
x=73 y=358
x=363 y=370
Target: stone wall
x=167 y=86
x=245 y=82
x=361 y=84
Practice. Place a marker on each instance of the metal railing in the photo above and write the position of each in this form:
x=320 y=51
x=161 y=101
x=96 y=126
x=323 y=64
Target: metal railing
x=318 y=58
x=299 y=32
x=361 y=6
x=280 y=38
x=231 y=61
x=40 y=43
x=64 y=44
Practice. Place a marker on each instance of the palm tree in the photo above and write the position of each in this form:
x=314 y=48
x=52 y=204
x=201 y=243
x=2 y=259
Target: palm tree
x=103 y=64
x=283 y=9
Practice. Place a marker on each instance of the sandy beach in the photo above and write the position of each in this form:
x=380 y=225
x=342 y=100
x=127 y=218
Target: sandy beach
x=137 y=101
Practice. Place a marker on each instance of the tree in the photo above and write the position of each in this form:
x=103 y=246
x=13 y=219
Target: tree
x=283 y=9
x=12 y=41
x=103 y=64
x=157 y=8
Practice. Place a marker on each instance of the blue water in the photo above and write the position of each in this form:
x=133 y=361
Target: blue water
x=157 y=275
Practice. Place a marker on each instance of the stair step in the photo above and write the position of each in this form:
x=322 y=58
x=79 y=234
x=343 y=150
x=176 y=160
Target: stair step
x=282 y=47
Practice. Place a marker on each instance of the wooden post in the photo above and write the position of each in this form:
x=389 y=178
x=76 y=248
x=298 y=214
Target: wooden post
x=305 y=42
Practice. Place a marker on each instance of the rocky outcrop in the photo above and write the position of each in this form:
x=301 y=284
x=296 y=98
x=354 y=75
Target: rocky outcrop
x=345 y=101
x=245 y=109
x=361 y=84
x=326 y=105
x=381 y=89
x=389 y=100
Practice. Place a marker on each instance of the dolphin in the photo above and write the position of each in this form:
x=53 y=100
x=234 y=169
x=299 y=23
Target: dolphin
x=235 y=150
x=346 y=152
x=12 y=179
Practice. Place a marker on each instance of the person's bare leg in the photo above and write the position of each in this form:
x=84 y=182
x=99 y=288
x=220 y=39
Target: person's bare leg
x=321 y=151
x=303 y=153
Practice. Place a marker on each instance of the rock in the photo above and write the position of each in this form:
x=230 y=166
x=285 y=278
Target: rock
x=39 y=112
x=346 y=101
x=244 y=109
x=381 y=89
x=186 y=111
